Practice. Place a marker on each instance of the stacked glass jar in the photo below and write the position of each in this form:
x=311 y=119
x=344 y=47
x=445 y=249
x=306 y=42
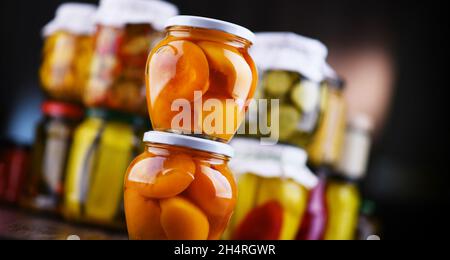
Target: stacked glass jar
x=273 y=181
x=200 y=78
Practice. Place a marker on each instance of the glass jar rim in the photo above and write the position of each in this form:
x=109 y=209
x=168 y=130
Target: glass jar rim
x=212 y=24
x=185 y=141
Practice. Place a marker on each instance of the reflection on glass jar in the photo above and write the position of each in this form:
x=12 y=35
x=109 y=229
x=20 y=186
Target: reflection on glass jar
x=122 y=44
x=205 y=64
x=103 y=147
x=180 y=188
x=67 y=51
x=44 y=190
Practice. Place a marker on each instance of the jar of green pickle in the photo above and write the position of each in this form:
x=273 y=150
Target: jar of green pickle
x=292 y=72
x=67 y=49
x=126 y=32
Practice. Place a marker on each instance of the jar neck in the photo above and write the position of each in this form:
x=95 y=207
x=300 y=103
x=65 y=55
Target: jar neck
x=166 y=150
x=201 y=34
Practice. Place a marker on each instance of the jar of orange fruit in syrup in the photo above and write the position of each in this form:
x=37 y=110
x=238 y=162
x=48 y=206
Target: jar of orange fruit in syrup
x=201 y=78
x=180 y=188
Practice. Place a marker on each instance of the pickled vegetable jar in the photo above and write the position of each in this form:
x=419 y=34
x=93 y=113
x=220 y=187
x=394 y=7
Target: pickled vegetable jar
x=343 y=196
x=273 y=184
x=292 y=72
x=180 y=188
x=125 y=35
x=67 y=51
x=326 y=146
x=103 y=147
x=45 y=185
x=200 y=78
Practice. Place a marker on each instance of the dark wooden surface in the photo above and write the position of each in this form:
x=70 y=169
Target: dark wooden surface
x=16 y=224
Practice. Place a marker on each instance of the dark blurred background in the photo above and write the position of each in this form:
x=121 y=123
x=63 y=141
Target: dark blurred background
x=402 y=42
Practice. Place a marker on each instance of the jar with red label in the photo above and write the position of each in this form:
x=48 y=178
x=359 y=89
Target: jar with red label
x=126 y=32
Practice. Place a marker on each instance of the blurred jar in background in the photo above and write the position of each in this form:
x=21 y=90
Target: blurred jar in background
x=67 y=50
x=343 y=196
x=103 y=146
x=292 y=71
x=126 y=32
x=206 y=62
x=273 y=184
x=180 y=188
x=326 y=146
x=324 y=153
x=14 y=169
x=44 y=189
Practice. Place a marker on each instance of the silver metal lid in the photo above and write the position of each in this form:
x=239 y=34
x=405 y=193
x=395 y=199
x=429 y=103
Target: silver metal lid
x=213 y=24
x=195 y=143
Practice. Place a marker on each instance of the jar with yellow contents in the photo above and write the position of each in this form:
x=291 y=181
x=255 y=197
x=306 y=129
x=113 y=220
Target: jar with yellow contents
x=103 y=146
x=326 y=145
x=180 y=188
x=200 y=78
x=324 y=154
x=126 y=32
x=67 y=51
x=342 y=193
x=273 y=184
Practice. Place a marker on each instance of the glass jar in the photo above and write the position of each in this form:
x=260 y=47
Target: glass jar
x=126 y=32
x=103 y=147
x=343 y=196
x=67 y=51
x=200 y=78
x=326 y=146
x=273 y=184
x=44 y=190
x=180 y=188
x=292 y=72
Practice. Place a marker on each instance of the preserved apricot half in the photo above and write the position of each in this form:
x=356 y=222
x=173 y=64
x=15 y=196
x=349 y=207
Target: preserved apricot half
x=214 y=191
x=143 y=217
x=160 y=178
x=220 y=118
x=182 y=220
x=229 y=70
x=178 y=67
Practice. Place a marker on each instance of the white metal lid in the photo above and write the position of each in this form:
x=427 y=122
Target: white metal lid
x=195 y=143
x=271 y=161
x=292 y=52
x=213 y=24
x=119 y=13
x=75 y=18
